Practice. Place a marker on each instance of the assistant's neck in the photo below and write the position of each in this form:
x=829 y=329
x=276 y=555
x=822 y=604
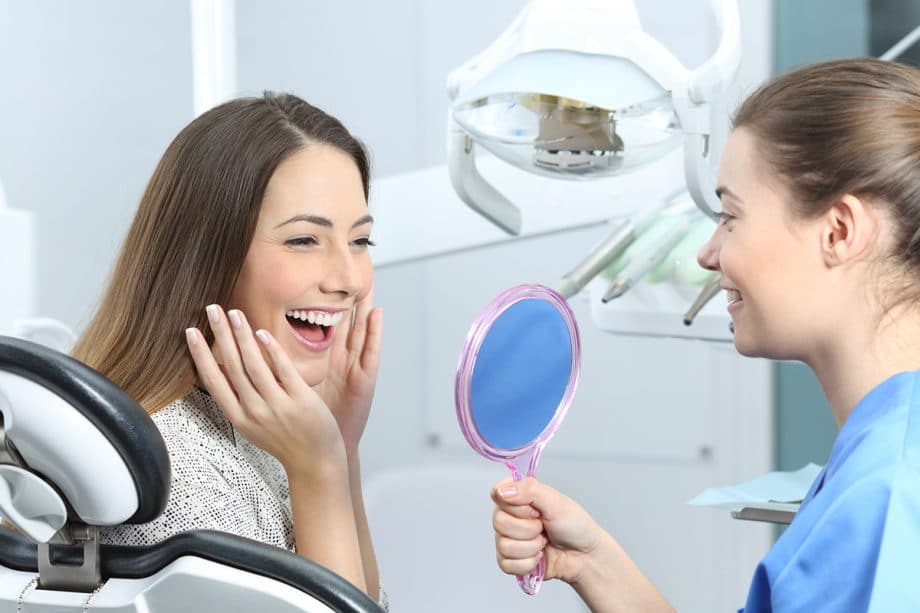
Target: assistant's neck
x=862 y=356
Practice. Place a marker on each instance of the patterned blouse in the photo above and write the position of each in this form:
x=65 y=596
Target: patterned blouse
x=220 y=481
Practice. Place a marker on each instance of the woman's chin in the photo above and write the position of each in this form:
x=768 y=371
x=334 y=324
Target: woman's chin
x=312 y=376
x=313 y=372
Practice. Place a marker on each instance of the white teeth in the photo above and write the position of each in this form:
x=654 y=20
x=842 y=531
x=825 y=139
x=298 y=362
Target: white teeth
x=321 y=318
x=733 y=295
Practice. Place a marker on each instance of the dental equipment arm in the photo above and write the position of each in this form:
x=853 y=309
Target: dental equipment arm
x=710 y=289
x=609 y=250
x=639 y=267
x=707 y=84
x=472 y=188
x=613 y=246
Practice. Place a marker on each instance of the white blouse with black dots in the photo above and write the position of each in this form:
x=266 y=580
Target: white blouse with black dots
x=220 y=481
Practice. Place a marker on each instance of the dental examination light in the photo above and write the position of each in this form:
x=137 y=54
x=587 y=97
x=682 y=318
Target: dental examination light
x=578 y=90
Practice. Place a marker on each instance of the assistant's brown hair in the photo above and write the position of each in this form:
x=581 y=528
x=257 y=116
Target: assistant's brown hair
x=845 y=127
x=190 y=235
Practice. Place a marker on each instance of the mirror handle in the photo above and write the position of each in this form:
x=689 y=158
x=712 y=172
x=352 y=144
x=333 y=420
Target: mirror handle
x=526 y=464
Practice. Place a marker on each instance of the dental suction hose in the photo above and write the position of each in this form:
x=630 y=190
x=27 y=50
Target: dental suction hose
x=710 y=289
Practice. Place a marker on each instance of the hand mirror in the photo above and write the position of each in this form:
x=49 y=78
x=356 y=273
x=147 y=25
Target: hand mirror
x=516 y=376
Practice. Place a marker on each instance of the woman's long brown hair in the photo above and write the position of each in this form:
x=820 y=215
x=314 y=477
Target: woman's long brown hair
x=190 y=236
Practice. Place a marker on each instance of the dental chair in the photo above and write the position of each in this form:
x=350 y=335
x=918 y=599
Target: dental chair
x=77 y=453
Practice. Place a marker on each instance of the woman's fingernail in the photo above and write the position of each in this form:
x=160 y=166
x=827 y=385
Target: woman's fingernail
x=534 y=513
x=506 y=491
x=262 y=335
x=191 y=336
x=213 y=313
x=235 y=318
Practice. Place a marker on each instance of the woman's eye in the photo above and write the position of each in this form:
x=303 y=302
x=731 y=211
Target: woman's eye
x=724 y=217
x=364 y=242
x=301 y=241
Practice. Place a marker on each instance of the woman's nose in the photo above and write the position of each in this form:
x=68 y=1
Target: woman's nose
x=708 y=255
x=343 y=274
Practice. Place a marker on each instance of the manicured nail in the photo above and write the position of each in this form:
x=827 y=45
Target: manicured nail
x=507 y=491
x=235 y=319
x=213 y=313
x=192 y=336
x=262 y=335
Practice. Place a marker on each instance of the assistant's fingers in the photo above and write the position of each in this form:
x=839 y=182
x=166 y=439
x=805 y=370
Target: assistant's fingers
x=514 y=549
x=528 y=491
x=518 y=528
x=211 y=376
x=517 y=567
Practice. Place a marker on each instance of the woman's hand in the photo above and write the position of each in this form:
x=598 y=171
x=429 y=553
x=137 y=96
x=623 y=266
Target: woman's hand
x=266 y=399
x=353 y=362
x=531 y=518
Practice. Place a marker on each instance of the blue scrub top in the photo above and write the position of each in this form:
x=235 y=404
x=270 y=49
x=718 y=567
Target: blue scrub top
x=854 y=545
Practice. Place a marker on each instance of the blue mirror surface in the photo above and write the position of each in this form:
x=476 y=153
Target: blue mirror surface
x=521 y=373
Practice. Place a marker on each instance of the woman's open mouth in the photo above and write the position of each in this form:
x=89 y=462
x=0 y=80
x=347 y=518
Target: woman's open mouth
x=312 y=328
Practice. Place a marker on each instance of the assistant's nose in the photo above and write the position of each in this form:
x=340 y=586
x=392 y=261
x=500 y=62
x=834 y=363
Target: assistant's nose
x=708 y=255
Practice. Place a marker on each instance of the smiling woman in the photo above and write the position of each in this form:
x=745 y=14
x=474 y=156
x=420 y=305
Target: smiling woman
x=239 y=314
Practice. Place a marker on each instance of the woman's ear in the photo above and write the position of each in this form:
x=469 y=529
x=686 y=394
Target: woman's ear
x=848 y=230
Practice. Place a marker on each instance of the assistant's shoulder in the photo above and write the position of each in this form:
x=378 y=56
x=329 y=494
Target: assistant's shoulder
x=895 y=586
x=827 y=559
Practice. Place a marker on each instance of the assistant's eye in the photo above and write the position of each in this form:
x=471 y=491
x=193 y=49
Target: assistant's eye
x=302 y=241
x=724 y=217
x=364 y=241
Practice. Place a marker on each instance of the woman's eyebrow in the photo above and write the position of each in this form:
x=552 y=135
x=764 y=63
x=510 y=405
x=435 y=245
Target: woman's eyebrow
x=363 y=220
x=323 y=221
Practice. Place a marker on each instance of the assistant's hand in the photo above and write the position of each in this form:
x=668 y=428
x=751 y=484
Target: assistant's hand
x=353 y=362
x=530 y=517
x=265 y=399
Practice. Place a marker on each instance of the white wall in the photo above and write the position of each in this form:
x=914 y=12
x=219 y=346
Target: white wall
x=93 y=91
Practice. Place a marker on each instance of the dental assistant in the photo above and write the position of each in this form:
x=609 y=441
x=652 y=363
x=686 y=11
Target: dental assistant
x=819 y=250
x=240 y=316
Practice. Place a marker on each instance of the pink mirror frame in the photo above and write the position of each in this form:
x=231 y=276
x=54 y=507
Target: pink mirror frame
x=523 y=460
